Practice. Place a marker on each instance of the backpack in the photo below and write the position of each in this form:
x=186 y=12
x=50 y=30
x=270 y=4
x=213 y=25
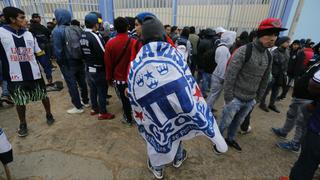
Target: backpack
x=72 y=39
x=301 y=83
x=181 y=44
x=248 y=54
x=208 y=58
x=42 y=40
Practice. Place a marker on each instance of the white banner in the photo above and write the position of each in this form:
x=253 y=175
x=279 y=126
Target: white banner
x=5 y=146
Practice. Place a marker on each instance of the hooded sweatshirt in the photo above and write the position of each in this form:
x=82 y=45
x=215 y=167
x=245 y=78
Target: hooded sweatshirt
x=222 y=53
x=63 y=18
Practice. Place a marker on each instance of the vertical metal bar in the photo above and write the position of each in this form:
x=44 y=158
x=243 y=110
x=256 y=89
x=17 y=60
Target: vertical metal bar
x=230 y=14
x=174 y=12
x=42 y=11
x=70 y=8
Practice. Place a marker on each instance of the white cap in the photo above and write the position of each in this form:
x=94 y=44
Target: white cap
x=220 y=30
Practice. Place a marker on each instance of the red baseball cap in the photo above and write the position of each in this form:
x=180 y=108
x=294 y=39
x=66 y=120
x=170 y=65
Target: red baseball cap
x=272 y=24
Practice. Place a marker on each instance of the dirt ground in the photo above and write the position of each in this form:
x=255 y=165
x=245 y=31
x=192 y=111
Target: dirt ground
x=81 y=147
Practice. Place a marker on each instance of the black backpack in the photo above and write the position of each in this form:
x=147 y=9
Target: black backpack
x=207 y=59
x=42 y=39
x=301 y=83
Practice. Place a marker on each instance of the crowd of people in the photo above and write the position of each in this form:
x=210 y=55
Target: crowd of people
x=100 y=55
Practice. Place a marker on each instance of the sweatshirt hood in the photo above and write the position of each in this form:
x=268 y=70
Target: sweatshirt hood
x=63 y=16
x=228 y=38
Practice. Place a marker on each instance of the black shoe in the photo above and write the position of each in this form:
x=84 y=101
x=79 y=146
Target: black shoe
x=214 y=110
x=50 y=119
x=7 y=99
x=178 y=163
x=281 y=97
x=274 y=108
x=23 y=130
x=215 y=150
x=233 y=144
x=109 y=96
x=264 y=107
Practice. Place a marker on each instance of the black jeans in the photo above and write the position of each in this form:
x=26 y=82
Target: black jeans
x=309 y=158
x=98 y=91
x=274 y=88
x=125 y=102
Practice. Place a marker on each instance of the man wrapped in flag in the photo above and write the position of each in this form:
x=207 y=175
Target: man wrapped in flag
x=166 y=101
x=5 y=153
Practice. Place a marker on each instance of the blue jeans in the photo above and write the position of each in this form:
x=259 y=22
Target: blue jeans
x=206 y=81
x=98 y=91
x=233 y=115
x=74 y=76
x=178 y=156
x=5 y=91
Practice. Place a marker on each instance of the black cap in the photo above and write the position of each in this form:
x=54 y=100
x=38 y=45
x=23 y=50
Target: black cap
x=152 y=29
x=282 y=40
x=35 y=15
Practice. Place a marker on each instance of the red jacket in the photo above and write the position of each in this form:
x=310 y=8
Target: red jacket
x=113 y=49
x=308 y=54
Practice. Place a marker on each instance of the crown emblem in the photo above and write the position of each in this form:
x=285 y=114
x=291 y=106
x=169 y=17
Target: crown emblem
x=162 y=69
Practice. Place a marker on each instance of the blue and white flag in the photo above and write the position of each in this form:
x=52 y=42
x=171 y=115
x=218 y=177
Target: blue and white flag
x=5 y=146
x=167 y=103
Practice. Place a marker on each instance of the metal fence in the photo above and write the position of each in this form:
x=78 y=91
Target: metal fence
x=236 y=15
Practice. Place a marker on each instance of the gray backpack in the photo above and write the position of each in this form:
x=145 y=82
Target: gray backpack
x=72 y=39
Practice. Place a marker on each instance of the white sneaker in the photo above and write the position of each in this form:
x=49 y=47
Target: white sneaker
x=75 y=111
x=85 y=105
x=246 y=132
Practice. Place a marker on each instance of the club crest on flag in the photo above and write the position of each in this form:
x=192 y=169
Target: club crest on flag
x=166 y=101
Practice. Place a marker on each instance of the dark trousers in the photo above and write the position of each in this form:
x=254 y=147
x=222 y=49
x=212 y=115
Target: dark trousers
x=193 y=64
x=98 y=91
x=125 y=102
x=286 y=87
x=309 y=158
x=75 y=76
x=246 y=123
x=274 y=88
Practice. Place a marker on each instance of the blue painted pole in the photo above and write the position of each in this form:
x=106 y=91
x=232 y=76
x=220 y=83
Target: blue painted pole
x=8 y=2
x=174 y=12
x=287 y=11
x=70 y=8
x=106 y=9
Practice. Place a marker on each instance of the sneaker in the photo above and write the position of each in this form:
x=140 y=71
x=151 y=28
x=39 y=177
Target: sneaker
x=246 y=132
x=290 y=146
x=233 y=144
x=7 y=99
x=23 y=130
x=178 y=163
x=93 y=112
x=264 y=107
x=215 y=150
x=86 y=105
x=75 y=111
x=277 y=132
x=274 y=108
x=50 y=119
x=158 y=173
x=105 y=116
